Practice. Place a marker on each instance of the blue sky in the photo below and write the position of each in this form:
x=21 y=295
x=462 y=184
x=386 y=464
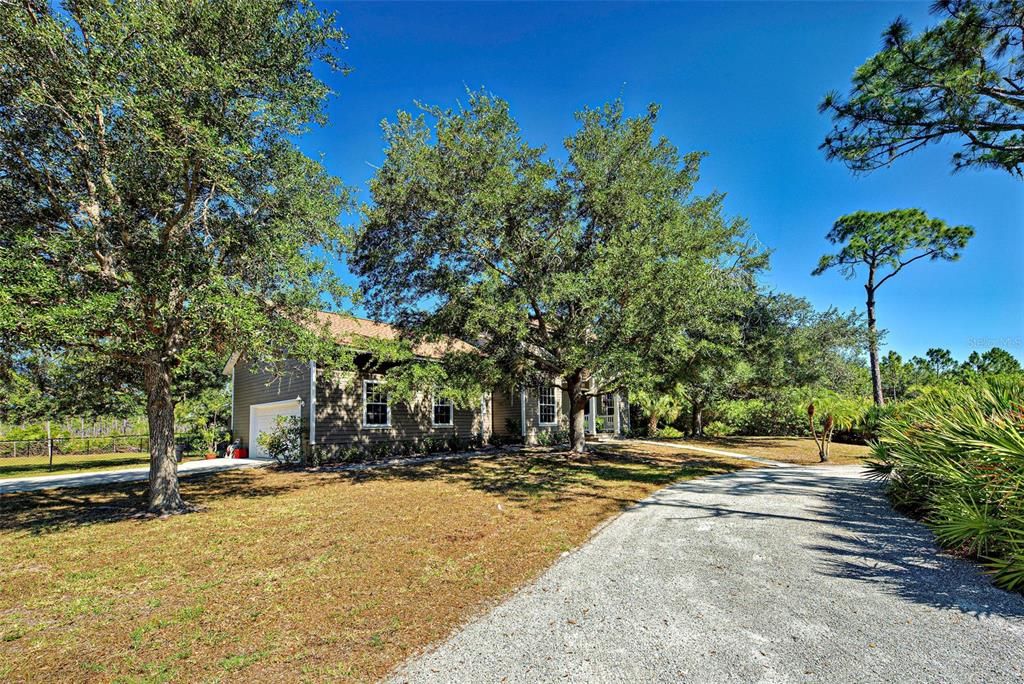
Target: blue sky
x=739 y=81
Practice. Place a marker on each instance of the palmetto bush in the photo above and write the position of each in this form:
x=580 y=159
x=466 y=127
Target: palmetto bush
x=955 y=458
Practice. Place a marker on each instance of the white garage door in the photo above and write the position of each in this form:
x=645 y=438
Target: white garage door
x=263 y=418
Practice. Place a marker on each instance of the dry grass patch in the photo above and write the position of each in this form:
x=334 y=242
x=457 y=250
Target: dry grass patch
x=289 y=576
x=800 y=450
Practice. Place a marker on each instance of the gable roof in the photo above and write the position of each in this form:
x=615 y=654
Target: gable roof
x=350 y=330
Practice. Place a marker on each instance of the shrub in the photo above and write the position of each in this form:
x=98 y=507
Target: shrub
x=668 y=432
x=772 y=415
x=503 y=440
x=955 y=458
x=717 y=428
x=284 y=442
x=552 y=437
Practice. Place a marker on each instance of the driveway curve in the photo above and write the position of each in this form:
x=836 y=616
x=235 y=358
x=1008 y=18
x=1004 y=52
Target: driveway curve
x=770 y=575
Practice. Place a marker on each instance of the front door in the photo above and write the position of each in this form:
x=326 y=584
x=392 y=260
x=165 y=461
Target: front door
x=606 y=413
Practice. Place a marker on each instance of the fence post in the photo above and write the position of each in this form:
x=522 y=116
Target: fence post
x=49 y=444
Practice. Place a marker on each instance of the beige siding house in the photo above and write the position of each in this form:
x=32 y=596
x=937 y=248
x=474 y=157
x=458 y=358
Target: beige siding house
x=344 y=409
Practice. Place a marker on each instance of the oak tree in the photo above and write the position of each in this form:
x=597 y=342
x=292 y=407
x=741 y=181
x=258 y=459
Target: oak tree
x=592 y=273
x=155 y=211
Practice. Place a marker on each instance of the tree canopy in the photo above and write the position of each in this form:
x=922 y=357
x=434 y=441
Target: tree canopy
x=587 y=273
x=884 y=243
x=155 y=212
x=961 y=80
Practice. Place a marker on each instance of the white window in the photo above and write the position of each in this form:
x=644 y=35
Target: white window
x=376 y=412
x=608 y=405
x=547 y=409
x=443 y=412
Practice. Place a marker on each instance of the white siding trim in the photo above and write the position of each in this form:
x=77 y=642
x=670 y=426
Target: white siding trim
x=522 y=411
x=618 y=415
x=484 y=417
x=312 y=403
x=232 y=403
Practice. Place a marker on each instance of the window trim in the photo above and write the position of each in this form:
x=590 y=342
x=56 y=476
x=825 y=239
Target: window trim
x=433 y=412
x=554 y=402
x=611 y=405
x=387 y=404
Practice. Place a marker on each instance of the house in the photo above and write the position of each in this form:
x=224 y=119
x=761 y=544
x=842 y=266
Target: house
x=342 y=409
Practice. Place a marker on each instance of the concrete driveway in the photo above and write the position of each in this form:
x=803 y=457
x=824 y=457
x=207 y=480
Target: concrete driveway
x=106 y=477
x=772 y=575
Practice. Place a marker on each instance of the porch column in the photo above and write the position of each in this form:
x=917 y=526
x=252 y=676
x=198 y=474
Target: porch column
x=522 y=412
x=618 y=414
x=592 y=418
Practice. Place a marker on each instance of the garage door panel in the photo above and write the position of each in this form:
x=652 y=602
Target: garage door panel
x=264 y=419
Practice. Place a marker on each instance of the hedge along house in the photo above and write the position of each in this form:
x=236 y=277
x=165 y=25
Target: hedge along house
x=343 y=409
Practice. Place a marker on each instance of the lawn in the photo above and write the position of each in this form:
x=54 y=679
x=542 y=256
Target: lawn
x=800 y=450
x=28 y=466
x=290 y=576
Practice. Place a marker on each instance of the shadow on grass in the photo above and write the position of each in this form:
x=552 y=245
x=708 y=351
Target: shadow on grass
x=546 y=480
x=541 y=481
x=50 y=510
x=861 y=537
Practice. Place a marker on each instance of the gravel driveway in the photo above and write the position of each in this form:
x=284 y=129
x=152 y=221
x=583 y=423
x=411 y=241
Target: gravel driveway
x=769 y=575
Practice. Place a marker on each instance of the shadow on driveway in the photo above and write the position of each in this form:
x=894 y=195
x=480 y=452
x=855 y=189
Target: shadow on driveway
x=861 y=537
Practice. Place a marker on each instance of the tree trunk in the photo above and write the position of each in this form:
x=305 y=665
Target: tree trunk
x=876 y=372
x=575 y=387
x=697 y=420
x=652 y=424
x=164 y=496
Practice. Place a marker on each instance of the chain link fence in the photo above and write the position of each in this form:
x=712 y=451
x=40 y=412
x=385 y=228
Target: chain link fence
x=26 y=457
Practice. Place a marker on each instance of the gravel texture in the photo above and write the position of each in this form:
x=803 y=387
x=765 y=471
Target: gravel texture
x=770 y=575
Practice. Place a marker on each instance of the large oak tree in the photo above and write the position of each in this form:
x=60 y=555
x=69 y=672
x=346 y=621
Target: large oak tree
x=155 y=211
x=593 y=274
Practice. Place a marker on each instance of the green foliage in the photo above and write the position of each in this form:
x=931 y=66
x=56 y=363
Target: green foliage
x=667 y=432
x=773 y=414
x=284 y=442
x=995 y=361
x=663 y=405
x=157 y=211
x=787 y=343
x=884 y=243
x=955 y=457
x=891 y=240
x=962 y=79
x=717 y=428
x=552 y=437
x=207 y=414
x=388 y=449
x=602 y=268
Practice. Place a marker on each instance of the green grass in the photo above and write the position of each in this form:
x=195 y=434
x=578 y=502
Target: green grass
x=64 y=464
